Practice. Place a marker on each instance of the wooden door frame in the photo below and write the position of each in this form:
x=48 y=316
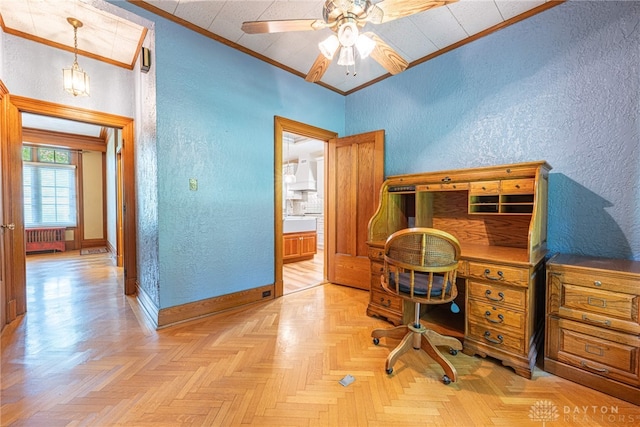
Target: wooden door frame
x=3 y=298
x=281 y=125
x=119 y=203
x=15 y=293
x=44 y=108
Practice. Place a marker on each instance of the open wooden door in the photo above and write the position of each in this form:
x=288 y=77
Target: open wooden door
x=13 y=272
x=3 y=299
x=355 y=166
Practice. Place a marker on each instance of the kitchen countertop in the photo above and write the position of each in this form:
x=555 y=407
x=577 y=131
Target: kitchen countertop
x=298 y=224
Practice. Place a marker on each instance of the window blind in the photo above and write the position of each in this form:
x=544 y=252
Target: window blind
x=49 y=195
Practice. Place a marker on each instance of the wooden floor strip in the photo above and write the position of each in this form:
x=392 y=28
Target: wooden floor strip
x=81 y=356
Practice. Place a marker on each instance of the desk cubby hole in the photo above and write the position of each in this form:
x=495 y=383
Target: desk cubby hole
x=516 y=203
x=441 y=319
x=402 y=210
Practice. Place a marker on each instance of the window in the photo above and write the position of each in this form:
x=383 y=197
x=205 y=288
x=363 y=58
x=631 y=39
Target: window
x=49 y=188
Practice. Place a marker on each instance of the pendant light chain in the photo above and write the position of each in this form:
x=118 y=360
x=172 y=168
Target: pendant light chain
x=75 y=45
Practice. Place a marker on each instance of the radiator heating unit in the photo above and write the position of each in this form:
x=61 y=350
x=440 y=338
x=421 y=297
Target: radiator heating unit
x=45 y=239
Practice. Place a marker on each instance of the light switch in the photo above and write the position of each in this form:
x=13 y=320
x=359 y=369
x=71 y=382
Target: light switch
x=193 y=184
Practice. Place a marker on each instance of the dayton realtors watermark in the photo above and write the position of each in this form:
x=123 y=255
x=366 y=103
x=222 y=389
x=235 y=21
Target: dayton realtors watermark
x=546 y=411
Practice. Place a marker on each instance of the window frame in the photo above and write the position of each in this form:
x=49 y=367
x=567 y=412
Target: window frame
x=72 y=164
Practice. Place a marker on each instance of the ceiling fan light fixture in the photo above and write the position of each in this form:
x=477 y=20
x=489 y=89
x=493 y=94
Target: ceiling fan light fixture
x=329 y=46
x=348 y=34
x=74 y=80
x=365 y=45
x=346 y=56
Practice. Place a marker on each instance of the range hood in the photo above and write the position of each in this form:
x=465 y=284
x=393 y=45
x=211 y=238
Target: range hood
x=305 y=176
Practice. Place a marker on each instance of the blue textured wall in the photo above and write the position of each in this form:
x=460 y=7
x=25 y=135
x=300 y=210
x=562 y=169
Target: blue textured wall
x=562 y=86
x=215 y=117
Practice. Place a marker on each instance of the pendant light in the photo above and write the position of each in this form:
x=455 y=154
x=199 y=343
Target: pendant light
x=289 y=178
x=74 y=79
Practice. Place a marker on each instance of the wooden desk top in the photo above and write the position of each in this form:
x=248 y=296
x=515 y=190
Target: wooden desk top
x=597 y=263
x=482 y=253
x=499 y=254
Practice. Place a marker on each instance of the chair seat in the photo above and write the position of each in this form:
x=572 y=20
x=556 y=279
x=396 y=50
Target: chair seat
x=421 y=284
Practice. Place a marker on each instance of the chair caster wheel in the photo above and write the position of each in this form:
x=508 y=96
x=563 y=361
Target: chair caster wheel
x=446 y=380
x=389 y=371
x=376 y=341
x=453 y=352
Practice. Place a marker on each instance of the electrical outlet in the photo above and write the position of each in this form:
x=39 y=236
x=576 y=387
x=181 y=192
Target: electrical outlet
x=193 y=184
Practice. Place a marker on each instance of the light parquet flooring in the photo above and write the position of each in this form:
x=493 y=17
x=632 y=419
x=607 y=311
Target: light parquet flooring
x=297 y=276
x=82 y=357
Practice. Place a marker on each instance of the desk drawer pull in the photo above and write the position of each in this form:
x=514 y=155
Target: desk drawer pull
x=500 y=275
x=385 y=304
x=487 y=315
x=487 y=336
x=488 y=295
x=586 y=365
x=602 y=322
x=598 y=351
x=597 y=302
x=597 y=283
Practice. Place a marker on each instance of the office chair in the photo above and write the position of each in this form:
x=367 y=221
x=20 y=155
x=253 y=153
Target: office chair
x=420 y=265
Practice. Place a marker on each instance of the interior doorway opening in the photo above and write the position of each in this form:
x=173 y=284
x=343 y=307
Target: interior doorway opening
x=302 y=212
x=88 y=206
x=297 y=244
x=15 y=282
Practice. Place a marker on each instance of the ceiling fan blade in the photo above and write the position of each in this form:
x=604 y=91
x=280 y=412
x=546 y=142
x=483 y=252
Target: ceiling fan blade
x=257 y=27
x=394 y=9
x=386 y=56
x=318 y=69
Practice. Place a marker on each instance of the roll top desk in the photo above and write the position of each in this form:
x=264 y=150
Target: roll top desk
x=499 y=215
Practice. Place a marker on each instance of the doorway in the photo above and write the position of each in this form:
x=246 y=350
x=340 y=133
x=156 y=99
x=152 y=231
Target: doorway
x=85 y=205
x=302 y=212
x=304 y=267
x=26 y=105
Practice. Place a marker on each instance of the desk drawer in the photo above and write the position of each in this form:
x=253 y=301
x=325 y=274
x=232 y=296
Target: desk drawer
x=376 y=254
x=377 y=268
x=496 y=337
x=456 y=186
x=622 y=306
x=498 y=295
x=606 y=353
x=592 y=306
x=496 y=316
x=386 y=300
x=484 y=187
x=600 y=281
x=517 y=186
x=499 y=273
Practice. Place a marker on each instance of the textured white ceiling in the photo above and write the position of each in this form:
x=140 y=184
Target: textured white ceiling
x=102 y=36
x=116 y=40
x=54 y=124
x=413 y=37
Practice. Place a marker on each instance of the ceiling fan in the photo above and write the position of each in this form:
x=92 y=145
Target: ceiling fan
x=346 y=18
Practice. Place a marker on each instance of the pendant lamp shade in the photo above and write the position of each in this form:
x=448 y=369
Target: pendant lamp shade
x=75 y=81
